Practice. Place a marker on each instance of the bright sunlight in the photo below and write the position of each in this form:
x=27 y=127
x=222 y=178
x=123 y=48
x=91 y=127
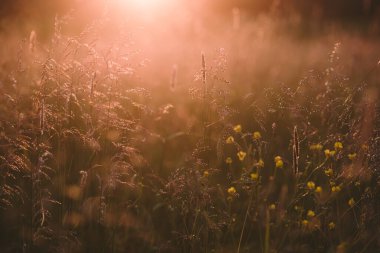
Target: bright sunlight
x=145 y=6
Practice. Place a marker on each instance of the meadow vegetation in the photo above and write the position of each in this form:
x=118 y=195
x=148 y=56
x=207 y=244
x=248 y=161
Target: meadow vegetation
x=241 y=139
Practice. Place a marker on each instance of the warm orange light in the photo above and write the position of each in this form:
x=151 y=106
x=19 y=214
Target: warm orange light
x=145 y=5
x=147 y=12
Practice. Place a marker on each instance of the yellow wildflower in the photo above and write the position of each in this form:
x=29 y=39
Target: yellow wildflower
x=241 y=155
x=352 y=156
x=329 y=153
x=237 y=128
x=338 y=145
x=254 y=176
x=304 y=223
x=310 y=213
x=311 y=185
x=230 y=140
x=228 y=160
x=336 y=188
x=329 y=172
x=331 y=225
x=351 y=202
x=256 y=135
x=318 y=189
x=279 y=164
x=277 y=158
x=206 y=173
x=260 y=163
x=231 y=191
x=316 y=147
x=272 y=207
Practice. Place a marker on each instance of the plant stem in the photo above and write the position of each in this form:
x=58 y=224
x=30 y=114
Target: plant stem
x=245 y=222
x=267 y=232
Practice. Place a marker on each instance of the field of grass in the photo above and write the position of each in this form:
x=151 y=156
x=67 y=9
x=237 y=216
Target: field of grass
x=125 y=129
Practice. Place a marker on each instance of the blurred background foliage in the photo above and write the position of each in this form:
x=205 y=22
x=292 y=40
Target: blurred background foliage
x=358 y=14
x=268 y=30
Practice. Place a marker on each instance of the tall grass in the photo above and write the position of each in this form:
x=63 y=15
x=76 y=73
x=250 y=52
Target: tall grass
x=92 y=161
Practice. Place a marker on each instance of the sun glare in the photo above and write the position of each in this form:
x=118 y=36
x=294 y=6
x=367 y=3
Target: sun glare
x=145 y=5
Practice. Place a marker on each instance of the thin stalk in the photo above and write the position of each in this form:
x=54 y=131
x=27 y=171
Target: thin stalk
x=267 y=232
x=245 y=222
x=205 y=92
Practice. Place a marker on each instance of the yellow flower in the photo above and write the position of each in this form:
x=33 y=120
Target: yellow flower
x=316 y=147
x=241 y=155
x=329 y=172
x=331 y=225
x=256 y=135
x=277 y=158
x=260 y=163
x=237 y=128
x=206 y=174
x=318 y=189
x=351 y=202
x=272 y=207
x=304 y=223
x=310 y=213
x=335 y=188
x=338 y=145
x=352 y=156
x=228 y=160
x=279 y=164
x=254 y=176
x=329 y=153
x=231 y=191
x=311 y=185
x=230 y=140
